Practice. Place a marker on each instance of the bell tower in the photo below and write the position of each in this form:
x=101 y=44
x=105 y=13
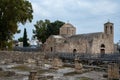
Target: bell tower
x=109 y=36
x=109 y=29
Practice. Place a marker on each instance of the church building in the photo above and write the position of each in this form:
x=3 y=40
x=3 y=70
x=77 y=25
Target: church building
x=69 y=41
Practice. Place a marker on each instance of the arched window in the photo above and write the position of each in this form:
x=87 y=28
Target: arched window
x=111 y=29
x=51 y=49
x=106 y=29
x=74 y=50
x=102 y=46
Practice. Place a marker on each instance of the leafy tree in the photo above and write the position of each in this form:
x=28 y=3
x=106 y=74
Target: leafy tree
x=53 y=28
x=43 y=29
x=13 y=12
x=20 y=39
x=25 y=43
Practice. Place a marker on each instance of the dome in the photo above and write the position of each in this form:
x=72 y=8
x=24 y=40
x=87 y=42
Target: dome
x=68 y=25
x=67 y=29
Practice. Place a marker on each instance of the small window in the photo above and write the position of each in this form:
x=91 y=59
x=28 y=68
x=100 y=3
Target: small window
x=102 y=46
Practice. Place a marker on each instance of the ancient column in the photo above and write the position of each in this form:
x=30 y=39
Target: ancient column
x=57 y=63
x=113 y=71
x=78 y=66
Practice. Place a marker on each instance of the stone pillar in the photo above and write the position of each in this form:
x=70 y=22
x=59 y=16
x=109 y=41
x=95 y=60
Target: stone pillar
x=113 y=71
x=78 y=66
x=57 y=63
x=32 y=75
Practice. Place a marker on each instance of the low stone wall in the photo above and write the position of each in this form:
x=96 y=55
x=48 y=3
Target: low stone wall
x=20 y=57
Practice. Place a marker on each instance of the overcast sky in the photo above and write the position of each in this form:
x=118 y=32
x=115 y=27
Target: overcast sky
x=86 y=15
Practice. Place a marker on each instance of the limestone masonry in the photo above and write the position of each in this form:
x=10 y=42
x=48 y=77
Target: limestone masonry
x=69 y=41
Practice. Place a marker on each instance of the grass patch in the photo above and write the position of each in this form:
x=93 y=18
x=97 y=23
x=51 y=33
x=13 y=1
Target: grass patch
x=84 y=78
x=6 y=73
x=77 y=72
x=70 y=73
x=73 y=73
x=43 y=71
x=2 y=74
x=22 y=68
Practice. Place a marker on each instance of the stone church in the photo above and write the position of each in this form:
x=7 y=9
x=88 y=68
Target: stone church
x=69 y=41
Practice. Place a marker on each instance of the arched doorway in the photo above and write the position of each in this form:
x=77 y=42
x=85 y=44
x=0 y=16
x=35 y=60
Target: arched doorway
x=102 y=50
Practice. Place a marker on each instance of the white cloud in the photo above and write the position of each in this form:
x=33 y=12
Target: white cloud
x=49 y=8
x=81 y=13
x=104 y=7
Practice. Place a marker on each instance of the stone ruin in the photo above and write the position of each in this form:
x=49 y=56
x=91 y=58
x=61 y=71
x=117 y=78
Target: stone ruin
x=113 y=71
x=78 y=66
x=57 y=63
x=19 y=57
x=32 y=75
x=39 y=63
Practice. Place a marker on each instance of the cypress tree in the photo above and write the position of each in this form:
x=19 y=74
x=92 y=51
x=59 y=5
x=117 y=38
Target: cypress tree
x=25 y=43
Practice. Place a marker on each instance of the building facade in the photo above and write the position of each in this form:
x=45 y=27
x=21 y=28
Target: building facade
x=69 y=41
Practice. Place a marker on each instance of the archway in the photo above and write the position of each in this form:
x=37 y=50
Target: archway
x=74 y=50
x=102 y=50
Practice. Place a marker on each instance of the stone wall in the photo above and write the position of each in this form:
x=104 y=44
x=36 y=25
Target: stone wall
x=103 y=39
x=20 y=57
